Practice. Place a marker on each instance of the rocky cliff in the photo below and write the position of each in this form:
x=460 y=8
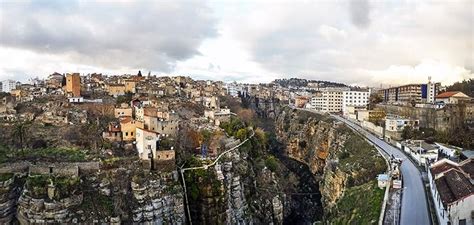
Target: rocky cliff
x=340 y=159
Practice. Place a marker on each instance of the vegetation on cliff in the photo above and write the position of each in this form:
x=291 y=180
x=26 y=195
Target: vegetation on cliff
x=359 y=205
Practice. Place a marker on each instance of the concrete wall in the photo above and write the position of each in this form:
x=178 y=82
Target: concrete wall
x=372 y=127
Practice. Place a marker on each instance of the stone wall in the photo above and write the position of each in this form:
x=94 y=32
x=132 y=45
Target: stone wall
x=55 y=169
x=62 y=169
x=444 y=119
x=32 y=210
x=16 y=167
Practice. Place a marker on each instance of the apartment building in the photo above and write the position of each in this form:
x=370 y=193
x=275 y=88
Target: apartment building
x=328 y=101
x=8 y=85
x=357 y=99
x=418 y=93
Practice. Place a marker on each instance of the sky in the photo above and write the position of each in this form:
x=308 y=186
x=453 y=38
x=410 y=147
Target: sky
x=357 y=42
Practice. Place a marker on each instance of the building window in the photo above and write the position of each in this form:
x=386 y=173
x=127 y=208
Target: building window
x=126 y=134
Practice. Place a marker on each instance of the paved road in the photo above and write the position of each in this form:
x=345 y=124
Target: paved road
x=414 y=204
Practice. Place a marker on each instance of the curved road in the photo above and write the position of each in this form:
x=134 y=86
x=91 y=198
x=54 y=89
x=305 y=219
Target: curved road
x=414 y=204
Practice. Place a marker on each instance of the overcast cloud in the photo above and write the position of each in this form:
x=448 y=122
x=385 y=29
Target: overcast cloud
x=357 y=42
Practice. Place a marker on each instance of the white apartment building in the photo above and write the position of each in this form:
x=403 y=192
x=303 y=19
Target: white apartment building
x=233 y=89
x=8 y=85
x=355 y=98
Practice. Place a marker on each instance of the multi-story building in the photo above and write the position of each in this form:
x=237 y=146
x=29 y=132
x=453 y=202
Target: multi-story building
x=8 y=85
x=73 y=85
x=411 y=93
x=358 y=99
x=233 y=89
x=328 y=101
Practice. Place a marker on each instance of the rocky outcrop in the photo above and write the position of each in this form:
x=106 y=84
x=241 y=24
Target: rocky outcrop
x=338 y=157
x=10 y=190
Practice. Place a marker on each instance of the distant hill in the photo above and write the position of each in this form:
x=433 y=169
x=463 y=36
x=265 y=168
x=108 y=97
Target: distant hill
x=304 y=83
x=466 y=87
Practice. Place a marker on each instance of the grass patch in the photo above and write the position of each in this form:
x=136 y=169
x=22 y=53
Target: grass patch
x=360 y=158
x=359 y=205
x=37 y=185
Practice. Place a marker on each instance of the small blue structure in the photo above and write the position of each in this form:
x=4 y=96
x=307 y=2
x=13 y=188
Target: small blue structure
x=383 y=180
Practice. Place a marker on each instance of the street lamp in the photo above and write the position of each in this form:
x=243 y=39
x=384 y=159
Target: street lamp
x=419 y=150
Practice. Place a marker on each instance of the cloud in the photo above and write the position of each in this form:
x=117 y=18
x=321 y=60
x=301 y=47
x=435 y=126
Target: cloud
x=319 y=40
x=360 y=13
x=151 y=35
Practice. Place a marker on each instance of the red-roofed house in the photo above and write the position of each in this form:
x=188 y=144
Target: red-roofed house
x=452 y=97
x=452 y=190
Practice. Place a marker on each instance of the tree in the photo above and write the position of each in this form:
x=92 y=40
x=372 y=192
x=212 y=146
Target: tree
x=407 y=132
x=246 y=115
x=20 y=130
x=125 y=98
x=241 y=134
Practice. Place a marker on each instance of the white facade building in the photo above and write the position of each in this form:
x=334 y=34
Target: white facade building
x=8 y=85
x=355 y=98
x=146 y=143
x=233 y=89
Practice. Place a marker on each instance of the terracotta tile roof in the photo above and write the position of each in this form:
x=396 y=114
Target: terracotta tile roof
x=447 y=94
x=453 y=186
x=442 y=168
x=468 y=167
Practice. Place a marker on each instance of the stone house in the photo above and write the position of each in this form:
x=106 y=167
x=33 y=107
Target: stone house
x=113 y=132
x=128 y=128
x=123 y=110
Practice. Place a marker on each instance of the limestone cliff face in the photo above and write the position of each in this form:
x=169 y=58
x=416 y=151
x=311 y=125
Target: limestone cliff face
x=235 y=192
x=337 y=156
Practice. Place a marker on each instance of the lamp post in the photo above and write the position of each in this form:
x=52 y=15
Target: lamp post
x=419 y=150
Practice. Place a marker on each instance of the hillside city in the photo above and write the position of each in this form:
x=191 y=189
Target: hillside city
x=142 y=148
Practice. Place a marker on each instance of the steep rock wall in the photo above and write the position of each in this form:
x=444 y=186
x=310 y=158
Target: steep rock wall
x=340 y=158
